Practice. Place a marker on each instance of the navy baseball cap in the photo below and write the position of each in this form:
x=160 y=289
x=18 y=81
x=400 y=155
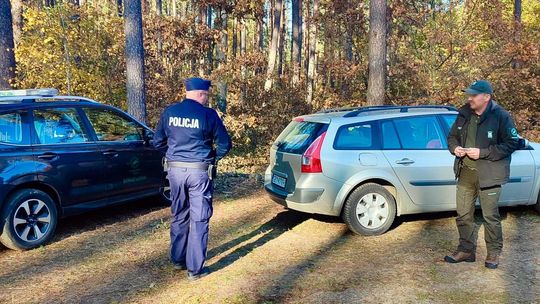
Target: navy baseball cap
x=196 y=83
x=479 y=87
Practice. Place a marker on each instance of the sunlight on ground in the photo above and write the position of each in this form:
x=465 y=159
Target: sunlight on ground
x=260 y=252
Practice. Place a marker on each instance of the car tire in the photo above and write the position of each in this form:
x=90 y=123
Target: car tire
x=29 y=219
x=369 y=210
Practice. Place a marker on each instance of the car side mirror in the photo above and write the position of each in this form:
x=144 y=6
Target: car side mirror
x=148 y=136
x=523 y=144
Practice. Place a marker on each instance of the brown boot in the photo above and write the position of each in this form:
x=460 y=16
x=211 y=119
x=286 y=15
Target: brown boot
x=492 y=261
x=460 y=256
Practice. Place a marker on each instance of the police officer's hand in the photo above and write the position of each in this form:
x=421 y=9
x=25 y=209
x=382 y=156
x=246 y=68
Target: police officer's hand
x=459 y=151
x=473 y=153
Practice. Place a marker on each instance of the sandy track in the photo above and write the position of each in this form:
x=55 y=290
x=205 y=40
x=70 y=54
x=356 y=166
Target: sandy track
x=260 y=252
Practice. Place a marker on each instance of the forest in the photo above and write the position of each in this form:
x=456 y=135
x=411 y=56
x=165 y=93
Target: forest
x=271 y=60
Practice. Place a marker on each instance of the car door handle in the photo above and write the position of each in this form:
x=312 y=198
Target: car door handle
x=48 y=156
x=111 y=153
x=405 y=161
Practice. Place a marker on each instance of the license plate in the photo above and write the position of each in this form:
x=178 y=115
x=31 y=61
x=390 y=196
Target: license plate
x=279 y=181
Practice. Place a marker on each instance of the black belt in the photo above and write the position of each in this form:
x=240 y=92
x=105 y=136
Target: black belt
x=177 y=164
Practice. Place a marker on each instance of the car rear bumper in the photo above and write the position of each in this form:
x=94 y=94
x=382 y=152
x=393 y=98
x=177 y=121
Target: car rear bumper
x=317 y=200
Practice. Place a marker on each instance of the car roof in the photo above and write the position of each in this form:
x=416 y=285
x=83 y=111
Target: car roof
x=350 y=115
x=32 y=101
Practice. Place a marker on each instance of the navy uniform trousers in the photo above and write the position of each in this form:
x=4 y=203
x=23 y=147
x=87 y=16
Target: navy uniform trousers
x=191 y=193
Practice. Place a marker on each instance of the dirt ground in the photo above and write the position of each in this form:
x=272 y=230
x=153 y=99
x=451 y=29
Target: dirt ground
x=260 y=252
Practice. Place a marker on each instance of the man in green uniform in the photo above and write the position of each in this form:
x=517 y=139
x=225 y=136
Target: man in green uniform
x=482 y=138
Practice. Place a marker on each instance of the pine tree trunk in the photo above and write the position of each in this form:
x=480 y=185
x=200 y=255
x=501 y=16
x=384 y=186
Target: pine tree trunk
x=260 y=34
x=377 y=52
x=159 y=7
x=281 y=51
x=312 y=52
x=16 y=13
x=274 y=44
x=234 y=37
x=134 y=60
x=296 y=48
x=210 y=52
x=517 y=30
x=222 y=59
x=7 y=57
x=243 y=70
x=119 y=8
x=305 y=38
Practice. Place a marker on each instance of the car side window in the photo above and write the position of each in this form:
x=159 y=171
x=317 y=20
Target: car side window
x=355 y=137
x=420 y=133
x=390 y=137
x=449 y=120
x=59 y=126
x=11 y=128
x=111 y=126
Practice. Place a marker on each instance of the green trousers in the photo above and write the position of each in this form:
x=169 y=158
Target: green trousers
x=468 y=190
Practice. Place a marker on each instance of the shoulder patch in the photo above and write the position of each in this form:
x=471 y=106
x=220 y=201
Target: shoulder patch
x=514 y=132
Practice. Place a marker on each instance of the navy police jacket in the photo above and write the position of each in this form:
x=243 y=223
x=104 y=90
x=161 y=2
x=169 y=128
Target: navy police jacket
x=188 y=131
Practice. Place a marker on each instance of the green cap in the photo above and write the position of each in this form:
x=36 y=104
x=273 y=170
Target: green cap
x=479 y=87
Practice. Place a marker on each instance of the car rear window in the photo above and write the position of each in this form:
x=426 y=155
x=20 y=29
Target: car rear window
x=298 y=135
x=11 y=128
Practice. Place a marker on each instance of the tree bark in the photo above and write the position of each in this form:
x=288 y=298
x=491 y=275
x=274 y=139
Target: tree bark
x=234 y=37
x=377 y=52
x=272 y=52
x=312 y=52
x=243 y=70
x=281 y=51
x=210 y=52
x=222 y=59
x=159 y=7
x=135 y=87
x=296 y=48
x=517 y=30
x=7 y=57
x=260 y=33
x=16 y=13
x=120 y=7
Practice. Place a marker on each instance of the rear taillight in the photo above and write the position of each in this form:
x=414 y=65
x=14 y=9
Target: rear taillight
x=311 y=160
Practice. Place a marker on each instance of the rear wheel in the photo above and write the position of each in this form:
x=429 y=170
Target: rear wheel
x=369 y=210
x=29 y=219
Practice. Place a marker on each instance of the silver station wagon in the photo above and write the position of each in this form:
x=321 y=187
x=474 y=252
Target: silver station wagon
x=371 y=164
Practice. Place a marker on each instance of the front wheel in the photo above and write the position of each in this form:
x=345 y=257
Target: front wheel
x=369 y=210
x=29 y=219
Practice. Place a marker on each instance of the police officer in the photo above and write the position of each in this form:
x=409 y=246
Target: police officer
x=194 y=139
x=482 y=138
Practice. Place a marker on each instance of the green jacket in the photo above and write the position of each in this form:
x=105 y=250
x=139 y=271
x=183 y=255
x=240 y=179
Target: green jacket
x=497 y=139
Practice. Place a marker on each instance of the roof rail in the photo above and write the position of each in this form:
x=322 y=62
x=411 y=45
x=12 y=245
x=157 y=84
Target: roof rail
x=29 y=92
x=332 y=110
x=402 y=109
